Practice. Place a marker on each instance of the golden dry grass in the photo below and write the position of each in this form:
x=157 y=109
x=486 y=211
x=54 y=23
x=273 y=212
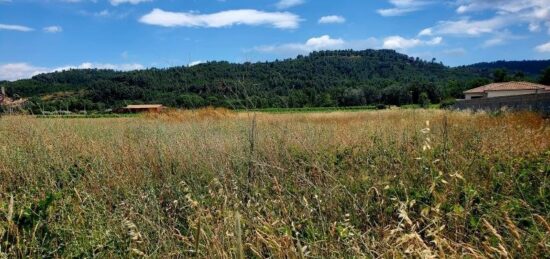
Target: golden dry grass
x=213 y=183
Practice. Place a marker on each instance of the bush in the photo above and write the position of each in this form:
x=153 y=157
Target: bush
x=447 y=103
x=424 y=100
x=381 y=106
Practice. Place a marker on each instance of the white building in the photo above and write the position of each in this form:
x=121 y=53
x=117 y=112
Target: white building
x=505 y=89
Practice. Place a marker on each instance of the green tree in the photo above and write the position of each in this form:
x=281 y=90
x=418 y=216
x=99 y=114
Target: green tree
x=322 y=78
x=545 y=78
x=500 y=75
x=519 y=76
x=424 y=100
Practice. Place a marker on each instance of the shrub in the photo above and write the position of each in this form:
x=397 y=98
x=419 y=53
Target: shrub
x=381 y=106
x=424 y=100
x=447 y=103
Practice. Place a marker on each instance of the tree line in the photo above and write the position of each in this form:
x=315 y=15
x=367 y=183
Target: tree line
x=320 y=79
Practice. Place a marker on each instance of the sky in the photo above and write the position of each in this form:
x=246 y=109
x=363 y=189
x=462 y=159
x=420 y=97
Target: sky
x=38 y=36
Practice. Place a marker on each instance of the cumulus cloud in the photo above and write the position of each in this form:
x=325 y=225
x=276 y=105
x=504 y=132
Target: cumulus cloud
x=467 y=27
x=332 y=19
x=401 y=7
x=543 y=48
x=16 y=71
x=324 y=42
x=53 y=29
x=534 y=14
x=117 y=2
x=281 y=20
x=12 y=27
x=508 y=6
x=319 y=43
x=400 y=43
x=284 y=4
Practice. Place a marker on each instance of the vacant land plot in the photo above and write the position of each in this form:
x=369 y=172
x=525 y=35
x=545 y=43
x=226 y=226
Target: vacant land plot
x=217 y=184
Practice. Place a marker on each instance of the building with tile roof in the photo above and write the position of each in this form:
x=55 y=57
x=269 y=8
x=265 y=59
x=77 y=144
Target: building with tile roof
x=505 y=89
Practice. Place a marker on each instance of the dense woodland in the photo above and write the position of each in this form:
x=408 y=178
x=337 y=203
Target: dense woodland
x=321 y=79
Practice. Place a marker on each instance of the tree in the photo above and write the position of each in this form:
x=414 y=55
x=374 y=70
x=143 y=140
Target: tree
x=519 y=76
x=322 y=78
x=500 y=75
x=424 y=100
x=545 y=78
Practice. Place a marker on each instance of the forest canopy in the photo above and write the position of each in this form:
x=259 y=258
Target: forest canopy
x=320 y=79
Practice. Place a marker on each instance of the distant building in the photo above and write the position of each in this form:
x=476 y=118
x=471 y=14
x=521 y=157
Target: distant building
x=143 y=108
x=505 y=89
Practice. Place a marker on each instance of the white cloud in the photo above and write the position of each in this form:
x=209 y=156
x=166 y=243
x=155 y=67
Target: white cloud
x=89 y=65
x=103 y=13
x=467 y=27
x=506 y=13
x=53 y=29
x=106 y=13
x=332 y=19
x=117 y=2
x=401 y=7
x=11 y=27
x=426 y=32
x=543 y=48
x=500 y=38
x=507 y=6
x=284 y=4
x=197 y=62
x=493 y=42
x=454 y=52
x=15 y=71
x=320 y=43
x=324 y=42
x=400 y=43
x=281 y=20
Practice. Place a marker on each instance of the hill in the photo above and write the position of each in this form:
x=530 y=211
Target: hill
x=321 y=79
x=527 y=67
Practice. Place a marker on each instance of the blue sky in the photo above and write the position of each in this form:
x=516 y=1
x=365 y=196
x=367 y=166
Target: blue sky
x=48 y=35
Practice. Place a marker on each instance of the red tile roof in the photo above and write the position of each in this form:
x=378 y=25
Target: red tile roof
x=507 y=86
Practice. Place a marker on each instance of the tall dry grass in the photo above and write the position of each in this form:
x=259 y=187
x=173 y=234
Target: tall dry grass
x=368 y=184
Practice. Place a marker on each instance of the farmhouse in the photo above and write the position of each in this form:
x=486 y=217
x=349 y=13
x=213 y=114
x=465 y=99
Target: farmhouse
x=143 y=108
x=505 y=89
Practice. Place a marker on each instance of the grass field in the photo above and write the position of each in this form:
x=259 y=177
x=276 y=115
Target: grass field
x=217 y=184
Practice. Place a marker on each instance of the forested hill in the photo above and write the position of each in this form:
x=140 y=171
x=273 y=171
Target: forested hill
x=327 y=78
x=527 y=67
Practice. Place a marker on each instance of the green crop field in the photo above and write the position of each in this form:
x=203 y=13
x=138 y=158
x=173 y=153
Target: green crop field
x=218 y=184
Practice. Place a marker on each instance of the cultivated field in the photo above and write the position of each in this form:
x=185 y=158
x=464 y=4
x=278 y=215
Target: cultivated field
x=214 y=184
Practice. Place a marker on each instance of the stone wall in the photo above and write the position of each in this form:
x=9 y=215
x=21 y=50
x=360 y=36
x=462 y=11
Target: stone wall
x=531 y=102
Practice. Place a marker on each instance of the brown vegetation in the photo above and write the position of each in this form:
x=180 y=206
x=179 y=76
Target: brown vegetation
x=213 y=183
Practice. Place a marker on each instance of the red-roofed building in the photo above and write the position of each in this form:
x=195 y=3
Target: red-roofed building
x=505 y=89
